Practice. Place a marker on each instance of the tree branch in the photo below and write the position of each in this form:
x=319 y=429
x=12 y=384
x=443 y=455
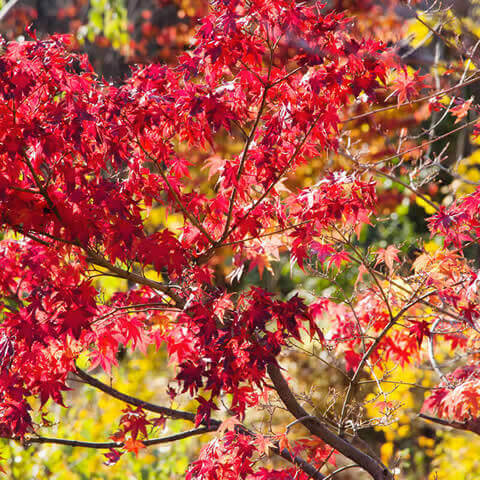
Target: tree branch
x=96 y=259
x=151 y=407
x=300 y=463
x=316 y=427
x=176 y=414
x=108 y=445
x=472 y=425
x=242 y=160
x=175 y=195
x=410 y=102
x=341 y=469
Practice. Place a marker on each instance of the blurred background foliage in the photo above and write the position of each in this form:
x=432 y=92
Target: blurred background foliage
x=119 y=33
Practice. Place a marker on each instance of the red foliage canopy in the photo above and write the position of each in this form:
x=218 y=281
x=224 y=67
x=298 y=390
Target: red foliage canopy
x=81 y=164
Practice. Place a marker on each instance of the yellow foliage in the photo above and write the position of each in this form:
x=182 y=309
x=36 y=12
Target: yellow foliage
x=429 y=210
x=425 y=442
x=431 y=246
x=418 y=33
x=456 y=456
x=469 y=172
x=386 y=452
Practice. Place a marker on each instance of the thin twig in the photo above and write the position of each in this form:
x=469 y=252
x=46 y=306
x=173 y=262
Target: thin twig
x=6 y=9
x=341 y=469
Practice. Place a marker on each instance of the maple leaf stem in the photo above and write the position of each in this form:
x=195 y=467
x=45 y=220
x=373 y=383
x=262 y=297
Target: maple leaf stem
x=376 y=469
x=108 y=445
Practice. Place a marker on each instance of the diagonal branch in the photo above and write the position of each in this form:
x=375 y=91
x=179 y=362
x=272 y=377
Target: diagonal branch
x=316 y=427
x=151 y=407
x=196 y=222
x=242 y=161
x=302 y=464
x=408 y=103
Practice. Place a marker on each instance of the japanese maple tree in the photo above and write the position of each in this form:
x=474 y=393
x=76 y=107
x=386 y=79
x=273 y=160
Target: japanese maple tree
x=83 y=162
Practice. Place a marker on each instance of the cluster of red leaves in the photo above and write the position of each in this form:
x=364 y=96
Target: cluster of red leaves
x=229 y=457
x=457 y=284
x=229 y=353
x=457 y=398
x=458 y=223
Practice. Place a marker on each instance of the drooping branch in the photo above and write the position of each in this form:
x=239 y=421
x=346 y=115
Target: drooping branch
x=316 y=427
x=151 y=407
x=285 y=454
x=175 y=414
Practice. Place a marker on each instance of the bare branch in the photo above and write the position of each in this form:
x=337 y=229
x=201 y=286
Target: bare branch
x=341 y=469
